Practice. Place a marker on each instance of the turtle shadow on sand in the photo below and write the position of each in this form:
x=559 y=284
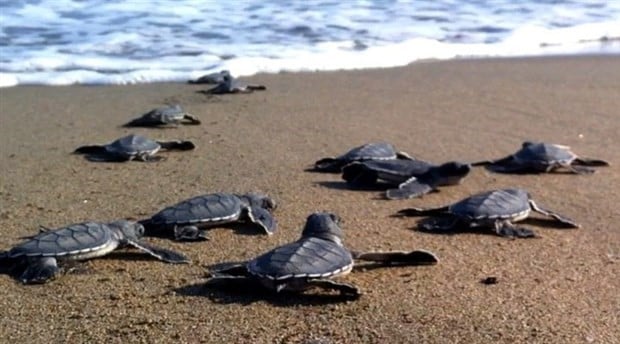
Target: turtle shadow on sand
x=248 y=291
x=424 y=226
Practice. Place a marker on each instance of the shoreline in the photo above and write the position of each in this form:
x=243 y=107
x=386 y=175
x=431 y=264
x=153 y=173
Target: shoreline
x=560 y=288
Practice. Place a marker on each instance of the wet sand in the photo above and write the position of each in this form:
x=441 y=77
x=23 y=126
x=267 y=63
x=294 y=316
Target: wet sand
x=560 y=288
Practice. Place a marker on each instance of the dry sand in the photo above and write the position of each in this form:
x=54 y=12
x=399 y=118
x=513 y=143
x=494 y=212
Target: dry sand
x=561 y=288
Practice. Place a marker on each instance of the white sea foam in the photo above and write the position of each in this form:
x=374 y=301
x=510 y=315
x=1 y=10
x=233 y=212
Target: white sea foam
x=64 y=42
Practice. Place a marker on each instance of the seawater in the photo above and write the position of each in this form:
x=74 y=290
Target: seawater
x=60 y=42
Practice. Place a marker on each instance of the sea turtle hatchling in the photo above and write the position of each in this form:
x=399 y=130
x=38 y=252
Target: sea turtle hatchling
x=131 y=147
x=313 y=260
x=496 y=209
x=39 y=256
x=165 y=115
x=232 y=85
x=211 y=78
x=413 y=178
x=537 y=157
x=369 y=151
x=188 y=219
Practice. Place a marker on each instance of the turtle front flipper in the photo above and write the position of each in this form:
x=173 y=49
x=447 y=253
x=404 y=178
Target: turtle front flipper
x=411 y=188
x=189 y=233
x=263 y=218
x=416 y=257
x=345 y=289
x=162 y=254
x=39 y=270
x=509 y=230
x=560 y=218
x=330 y=165
x=177 y=145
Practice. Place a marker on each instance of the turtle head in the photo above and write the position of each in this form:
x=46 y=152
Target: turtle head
x=323 y=225
x=259 y=200
x=452 y=172
x=127 y=229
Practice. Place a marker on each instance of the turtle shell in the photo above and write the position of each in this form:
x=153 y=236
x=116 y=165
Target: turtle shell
x=544 y=153
x=168 y=113
x=309 y=257
x=370 y=151
x=131 y=145
x=211 y=208
x=498 y=204
x=74 y=240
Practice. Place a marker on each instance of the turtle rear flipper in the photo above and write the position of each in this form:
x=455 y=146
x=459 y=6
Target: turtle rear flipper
x=256 y=87
x=162 y=254
x=39 y=270
x=590 y=162
x=560 y=218
x=416 y=257
x=509 y=230
x=189 y=233
x=237 y=269
x=94 y=149
x=423 y=211
x=411 y=188
x=191 y=119
x=263 y=218
x=345 y=289
x=177 y=145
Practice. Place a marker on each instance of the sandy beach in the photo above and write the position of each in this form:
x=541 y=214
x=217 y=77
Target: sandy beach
x=560 y=288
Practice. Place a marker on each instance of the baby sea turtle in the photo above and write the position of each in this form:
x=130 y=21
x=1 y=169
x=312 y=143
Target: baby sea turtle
x=231 y=85
x=166 y=115
x=39 y=255
x=211 y=78
x=187 y=219
x=497 y=209
x=369 y=151
x=537 y=157
x=414 y=178
x=131 y=147
x=313 y=260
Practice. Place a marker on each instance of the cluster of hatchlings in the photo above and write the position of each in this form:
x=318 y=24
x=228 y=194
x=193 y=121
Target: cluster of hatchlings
x=319 y=255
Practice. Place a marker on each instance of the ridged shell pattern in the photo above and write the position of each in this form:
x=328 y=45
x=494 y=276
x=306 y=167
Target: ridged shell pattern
x=132 y=144
x=72 y=240
x=377 y=151
x=213 y=208
x=545 y=152
x=308 y=257
x=498 y=204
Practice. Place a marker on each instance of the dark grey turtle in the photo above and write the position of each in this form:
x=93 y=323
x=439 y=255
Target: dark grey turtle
x=369 y=151
x=188 y=219
x=211 y=78
x=313 y=260
x=538 y=157
x=166 y=115
x=231 y=85
x=39 y=255
x=414 y=178
x=131 y=147
x=496 y=209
